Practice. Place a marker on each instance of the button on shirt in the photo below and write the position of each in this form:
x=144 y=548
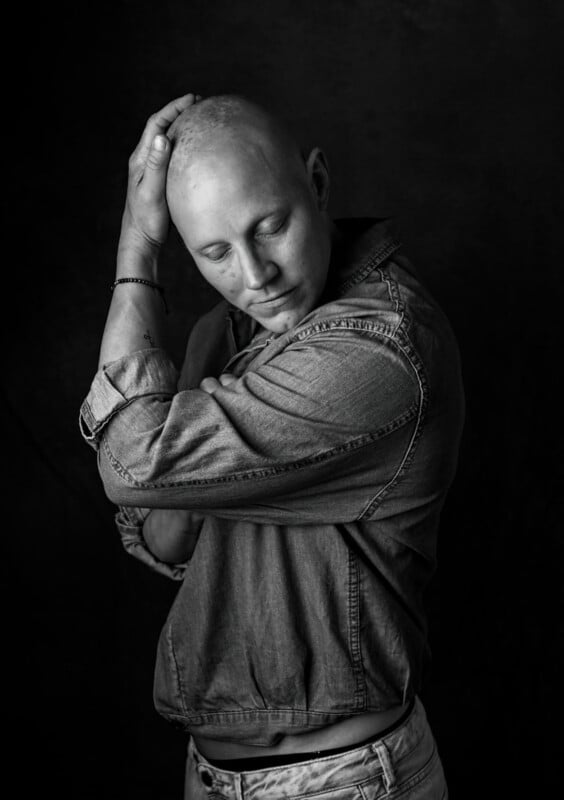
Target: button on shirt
x=316 y=480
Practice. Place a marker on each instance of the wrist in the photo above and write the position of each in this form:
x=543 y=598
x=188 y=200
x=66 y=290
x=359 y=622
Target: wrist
x=142 y=282
x=137 y=257
x=132 y=264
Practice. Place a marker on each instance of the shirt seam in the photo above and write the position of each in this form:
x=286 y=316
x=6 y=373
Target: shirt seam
x=377 y=499
x=176 y=670
x=345 y=323
x=389 y=246
x=210 y=716
x=355 y=646
x=394 y=297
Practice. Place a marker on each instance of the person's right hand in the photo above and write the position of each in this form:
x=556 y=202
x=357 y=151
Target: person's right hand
x=145 y=219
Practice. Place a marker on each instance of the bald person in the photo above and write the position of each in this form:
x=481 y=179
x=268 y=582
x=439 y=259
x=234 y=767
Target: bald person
x=291 y=475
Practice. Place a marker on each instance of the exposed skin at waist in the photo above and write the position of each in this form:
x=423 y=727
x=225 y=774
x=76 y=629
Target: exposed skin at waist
x=340 y=734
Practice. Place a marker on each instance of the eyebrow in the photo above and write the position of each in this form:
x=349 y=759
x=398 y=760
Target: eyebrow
x=253 y=225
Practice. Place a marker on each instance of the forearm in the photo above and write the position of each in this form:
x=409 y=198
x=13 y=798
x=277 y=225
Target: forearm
x=136 y=318
x=171 y=534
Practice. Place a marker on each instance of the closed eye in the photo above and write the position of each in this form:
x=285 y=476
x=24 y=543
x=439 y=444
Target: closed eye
x=275 y=227
x=216 y=255
x=268 y=228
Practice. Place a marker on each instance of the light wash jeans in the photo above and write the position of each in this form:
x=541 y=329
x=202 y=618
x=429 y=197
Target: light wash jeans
x=404 y=764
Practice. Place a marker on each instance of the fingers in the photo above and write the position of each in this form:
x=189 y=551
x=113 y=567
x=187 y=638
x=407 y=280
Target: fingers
x=159 y=122
x=154 y=176
x=211 y=385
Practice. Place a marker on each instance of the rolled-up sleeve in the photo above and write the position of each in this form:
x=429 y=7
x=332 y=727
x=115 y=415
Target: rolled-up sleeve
x=137 y=377
x=295 y=422
x=145 y=373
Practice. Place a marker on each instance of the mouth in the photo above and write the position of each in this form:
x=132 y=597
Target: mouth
x=273 y=302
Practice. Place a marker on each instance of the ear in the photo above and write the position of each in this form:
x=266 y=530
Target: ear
x=318 y=177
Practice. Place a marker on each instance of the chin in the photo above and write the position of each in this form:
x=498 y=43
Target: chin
x=275 y=325
x=284 y=321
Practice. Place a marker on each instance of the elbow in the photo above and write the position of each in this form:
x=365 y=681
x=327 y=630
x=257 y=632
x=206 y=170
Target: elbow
x=119 y=488
x=120 y=493
x=123 y=488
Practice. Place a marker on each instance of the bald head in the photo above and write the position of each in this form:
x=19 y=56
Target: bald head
x=250 y=208
x=228 y=122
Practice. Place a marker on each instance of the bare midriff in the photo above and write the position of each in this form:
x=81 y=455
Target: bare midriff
x=345 y=733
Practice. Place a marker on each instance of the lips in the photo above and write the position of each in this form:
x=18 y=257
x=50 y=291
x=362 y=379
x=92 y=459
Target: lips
x=274 y=302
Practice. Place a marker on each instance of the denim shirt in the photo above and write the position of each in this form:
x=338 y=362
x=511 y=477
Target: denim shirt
x=316 y=479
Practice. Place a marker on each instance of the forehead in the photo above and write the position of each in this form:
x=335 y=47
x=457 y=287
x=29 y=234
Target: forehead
x=231 y=181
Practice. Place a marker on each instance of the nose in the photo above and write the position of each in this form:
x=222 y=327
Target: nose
x=257 y=269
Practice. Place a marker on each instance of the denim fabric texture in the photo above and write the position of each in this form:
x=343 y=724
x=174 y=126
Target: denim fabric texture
x=321 y=473
x=405 y=764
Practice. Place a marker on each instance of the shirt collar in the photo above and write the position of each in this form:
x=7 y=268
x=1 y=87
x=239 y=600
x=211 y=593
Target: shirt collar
x=363 y=245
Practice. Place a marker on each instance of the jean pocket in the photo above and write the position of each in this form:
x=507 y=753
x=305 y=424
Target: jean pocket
x=427 y=783
x=342 y=793
x=373 y=789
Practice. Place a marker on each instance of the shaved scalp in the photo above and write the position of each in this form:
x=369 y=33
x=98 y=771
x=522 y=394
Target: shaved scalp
x=225 y=118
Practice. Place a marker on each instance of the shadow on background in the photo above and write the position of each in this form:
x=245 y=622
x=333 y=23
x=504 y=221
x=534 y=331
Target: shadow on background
x=441 y=114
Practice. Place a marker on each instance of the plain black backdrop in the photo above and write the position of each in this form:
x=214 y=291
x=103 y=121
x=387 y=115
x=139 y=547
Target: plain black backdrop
x=440 y=113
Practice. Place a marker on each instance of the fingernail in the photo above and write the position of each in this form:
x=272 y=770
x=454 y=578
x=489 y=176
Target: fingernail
x=159 y=143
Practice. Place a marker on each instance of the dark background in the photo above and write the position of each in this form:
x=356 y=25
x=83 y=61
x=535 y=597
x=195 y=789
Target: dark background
x=441 y=114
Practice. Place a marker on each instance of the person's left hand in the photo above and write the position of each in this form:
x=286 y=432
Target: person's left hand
x=210 y=385
x=145 y=219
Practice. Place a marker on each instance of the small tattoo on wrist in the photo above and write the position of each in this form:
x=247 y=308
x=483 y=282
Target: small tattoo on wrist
x=149 y=338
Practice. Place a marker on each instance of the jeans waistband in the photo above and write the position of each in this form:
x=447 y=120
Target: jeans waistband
x=262 y=762
x=379 y=755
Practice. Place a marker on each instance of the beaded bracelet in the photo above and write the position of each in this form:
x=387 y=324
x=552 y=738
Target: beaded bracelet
x=145 y=282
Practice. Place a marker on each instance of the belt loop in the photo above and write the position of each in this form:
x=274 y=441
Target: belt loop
x=192 y=751
x=386 y=763
x=238 y=786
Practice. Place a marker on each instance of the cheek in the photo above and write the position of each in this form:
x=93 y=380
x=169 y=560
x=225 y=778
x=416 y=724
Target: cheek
x=224 y=278
x=305 y=254
x=308 y=266
x=293 y=256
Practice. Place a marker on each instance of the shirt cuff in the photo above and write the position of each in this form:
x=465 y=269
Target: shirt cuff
x=129 y=523
x=116 y=384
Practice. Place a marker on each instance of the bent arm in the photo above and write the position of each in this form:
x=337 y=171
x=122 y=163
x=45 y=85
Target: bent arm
x=289 y=432
x=135 y=318
x=165 y=539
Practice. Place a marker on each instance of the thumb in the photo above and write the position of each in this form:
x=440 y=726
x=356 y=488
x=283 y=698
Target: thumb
x=159 y=153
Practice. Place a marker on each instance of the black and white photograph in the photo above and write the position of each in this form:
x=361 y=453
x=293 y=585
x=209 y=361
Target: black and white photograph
x=282 y=400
